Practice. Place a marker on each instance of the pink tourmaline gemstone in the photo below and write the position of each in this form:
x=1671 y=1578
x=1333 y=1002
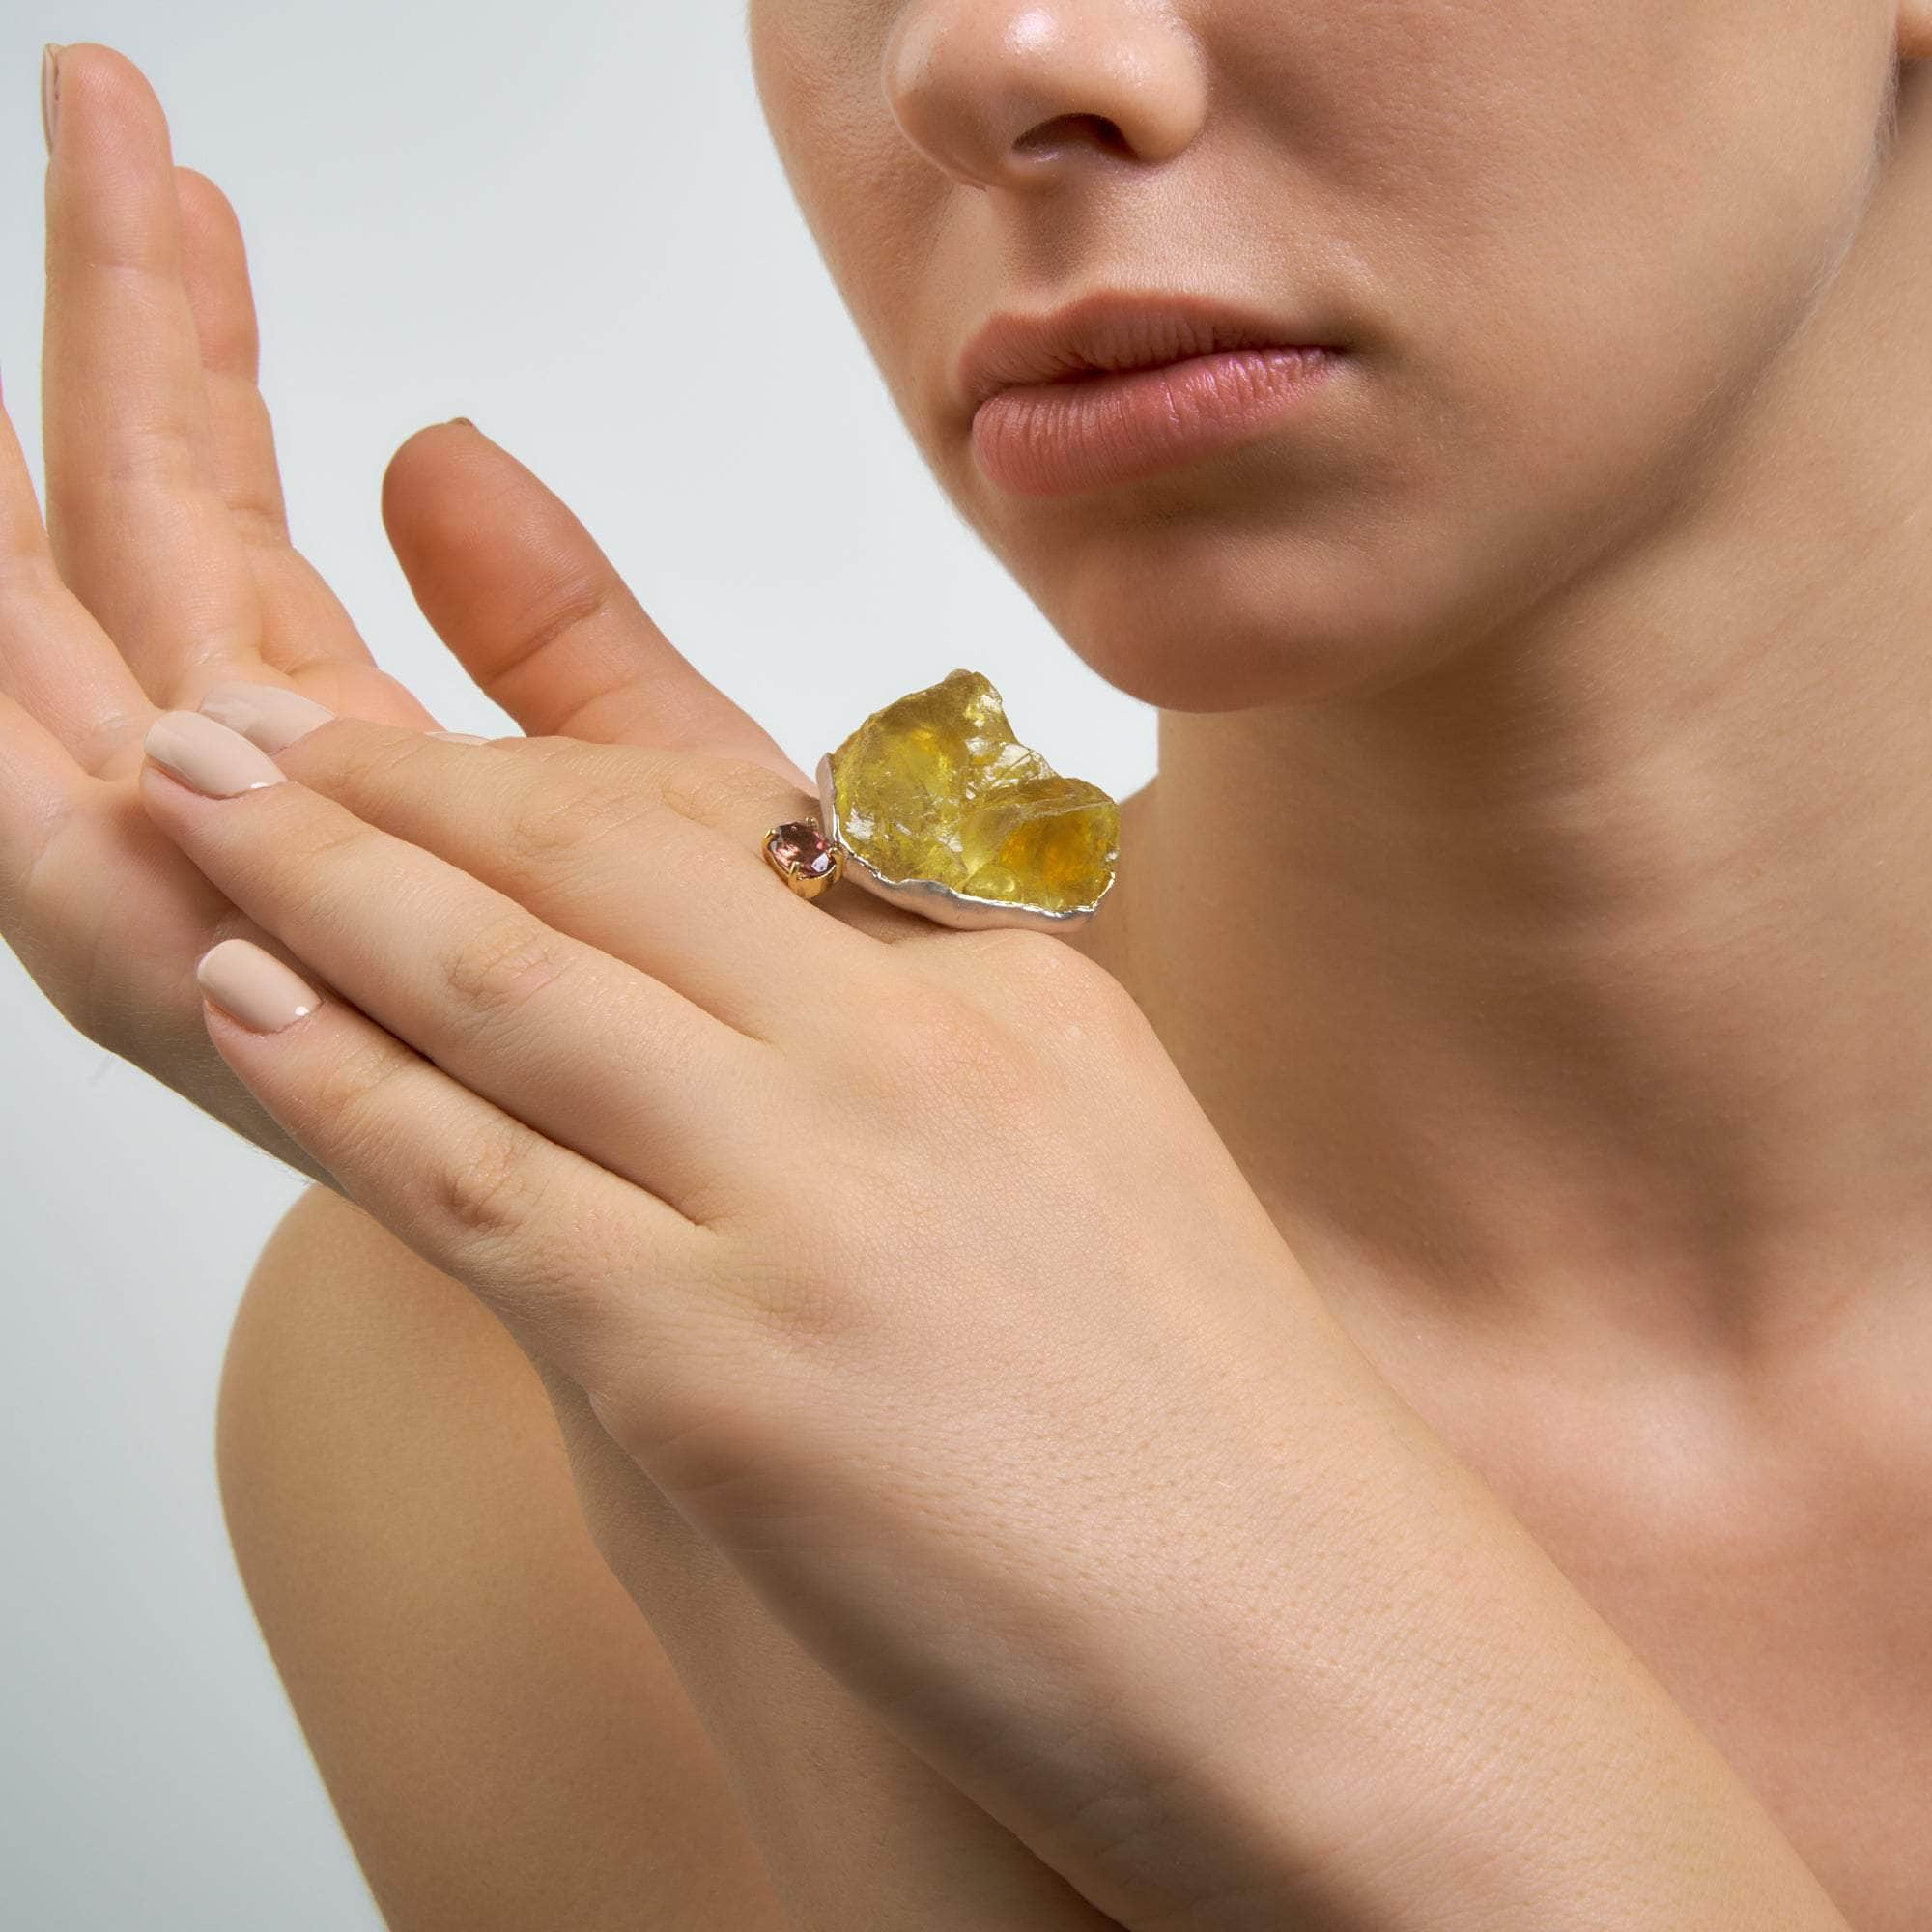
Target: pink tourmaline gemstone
x=801 y=847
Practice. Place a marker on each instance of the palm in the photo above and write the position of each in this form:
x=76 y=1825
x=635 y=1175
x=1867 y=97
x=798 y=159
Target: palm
x=166 y=566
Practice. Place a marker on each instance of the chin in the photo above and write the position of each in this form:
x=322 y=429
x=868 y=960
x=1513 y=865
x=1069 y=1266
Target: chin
x=1194 y=619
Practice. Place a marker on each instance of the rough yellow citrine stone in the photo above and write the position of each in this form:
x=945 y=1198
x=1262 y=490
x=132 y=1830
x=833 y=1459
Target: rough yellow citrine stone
x=935 y=786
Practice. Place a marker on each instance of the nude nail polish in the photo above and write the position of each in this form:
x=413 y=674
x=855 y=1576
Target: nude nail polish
x=265 y=714
x=50 y=90
x=207 y=755
x=252 y=985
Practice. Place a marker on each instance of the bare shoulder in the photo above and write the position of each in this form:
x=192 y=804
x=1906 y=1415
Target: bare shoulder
x=503 y=1738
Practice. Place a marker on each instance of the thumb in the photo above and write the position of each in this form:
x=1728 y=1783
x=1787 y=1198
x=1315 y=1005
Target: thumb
x=516 y=587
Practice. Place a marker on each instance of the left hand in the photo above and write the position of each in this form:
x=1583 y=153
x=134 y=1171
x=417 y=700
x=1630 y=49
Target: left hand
x=901 y=1259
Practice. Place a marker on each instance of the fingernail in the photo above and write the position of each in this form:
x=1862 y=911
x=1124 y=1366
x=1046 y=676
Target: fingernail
x=207 y=755
x=50 y=89
x=265 y=714
x=464 y=420
x=254 y=985
x=457 y=737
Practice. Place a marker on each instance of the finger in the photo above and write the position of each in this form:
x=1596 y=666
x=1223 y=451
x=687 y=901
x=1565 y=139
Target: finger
x=241 y=439
x=62 y=674
x=544 y=1238
x=138 y=529
x=579 y=1045
x=306 y=632
x=520 y=591
x=653 y=857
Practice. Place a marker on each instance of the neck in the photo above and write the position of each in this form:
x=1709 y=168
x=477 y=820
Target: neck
x=1585 y=983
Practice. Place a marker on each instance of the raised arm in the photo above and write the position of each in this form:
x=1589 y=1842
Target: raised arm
x=165 y=565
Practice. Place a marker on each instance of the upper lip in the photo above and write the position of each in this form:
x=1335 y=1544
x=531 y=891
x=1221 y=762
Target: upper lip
x=1113 y=330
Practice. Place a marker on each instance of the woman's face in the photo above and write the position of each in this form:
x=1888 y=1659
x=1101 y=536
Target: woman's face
x=1557 y=239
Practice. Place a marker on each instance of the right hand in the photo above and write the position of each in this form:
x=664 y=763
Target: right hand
x=166 y=567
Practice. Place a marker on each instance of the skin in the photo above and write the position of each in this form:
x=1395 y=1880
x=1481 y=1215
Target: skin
x=165 y=565
x=1581 y=628
x=1209 y=1675
x=1472 y=1244
x=149 y=307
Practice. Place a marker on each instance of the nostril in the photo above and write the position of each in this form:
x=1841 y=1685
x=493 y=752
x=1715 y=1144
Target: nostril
x=1049 y=136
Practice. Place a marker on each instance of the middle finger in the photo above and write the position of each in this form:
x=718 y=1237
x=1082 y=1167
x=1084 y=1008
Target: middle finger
x=306 y=632
x=653 y=855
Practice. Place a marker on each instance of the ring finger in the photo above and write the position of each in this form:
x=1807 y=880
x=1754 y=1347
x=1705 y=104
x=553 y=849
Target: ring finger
x=585 y=1048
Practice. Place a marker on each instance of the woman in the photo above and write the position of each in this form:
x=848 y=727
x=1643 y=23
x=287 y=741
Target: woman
x=1529 y=898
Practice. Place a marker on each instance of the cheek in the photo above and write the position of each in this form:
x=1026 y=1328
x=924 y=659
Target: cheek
x=1629 y=252
x=869 y=200
x=1583 y=235
x=1669 y=206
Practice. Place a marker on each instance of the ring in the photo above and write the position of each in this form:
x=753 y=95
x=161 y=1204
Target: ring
x=934 y=805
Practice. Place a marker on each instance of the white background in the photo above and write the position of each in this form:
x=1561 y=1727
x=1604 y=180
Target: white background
x=568 y=223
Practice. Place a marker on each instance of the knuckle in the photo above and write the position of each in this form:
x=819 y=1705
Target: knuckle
x=311 y=869
x=535 y=1260
x=951 y=1035
x=985 y=1029
x=723 y=792
x=341 y=760
x=1056 y=990
x=929 y=1046
x=1079 y=995
x=479 y=1188
x=562 y=819
x=486 y=1190
x=495 y=970
x=372 y=770
x=259 y=519
x=30 y=589
x=349 y=1090
x=1039 y=961
x=157 y=453
x=562 y=611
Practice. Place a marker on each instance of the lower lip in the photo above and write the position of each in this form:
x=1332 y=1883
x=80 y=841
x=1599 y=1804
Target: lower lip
x=1054 y=439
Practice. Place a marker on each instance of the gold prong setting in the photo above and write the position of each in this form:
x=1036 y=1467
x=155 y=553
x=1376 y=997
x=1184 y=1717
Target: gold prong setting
x=803 y=858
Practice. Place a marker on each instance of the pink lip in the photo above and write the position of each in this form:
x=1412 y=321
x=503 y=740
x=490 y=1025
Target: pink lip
x=1084 y=431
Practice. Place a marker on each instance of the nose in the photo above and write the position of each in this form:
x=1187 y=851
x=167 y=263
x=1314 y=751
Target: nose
x=1018 y=93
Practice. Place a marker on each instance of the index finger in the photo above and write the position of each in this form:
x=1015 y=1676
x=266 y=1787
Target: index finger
x=138 y=528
